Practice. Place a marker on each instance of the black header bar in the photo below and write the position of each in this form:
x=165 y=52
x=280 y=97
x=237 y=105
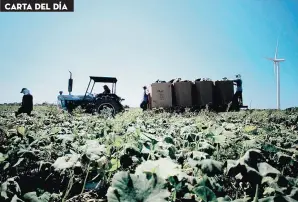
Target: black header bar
x=37 y=5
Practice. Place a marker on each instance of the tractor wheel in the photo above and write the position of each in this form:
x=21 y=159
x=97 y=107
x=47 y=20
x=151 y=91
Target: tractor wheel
x=108 y=105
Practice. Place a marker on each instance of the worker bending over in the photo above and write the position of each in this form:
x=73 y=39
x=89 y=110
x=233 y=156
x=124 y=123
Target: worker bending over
x=27 y=103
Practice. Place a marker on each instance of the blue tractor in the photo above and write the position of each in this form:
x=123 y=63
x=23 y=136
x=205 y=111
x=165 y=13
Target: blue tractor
x=89 y=102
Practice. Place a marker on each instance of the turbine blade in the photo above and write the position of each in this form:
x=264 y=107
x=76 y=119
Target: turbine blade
x=269 y=59
x=276 y=49
x=274 y=69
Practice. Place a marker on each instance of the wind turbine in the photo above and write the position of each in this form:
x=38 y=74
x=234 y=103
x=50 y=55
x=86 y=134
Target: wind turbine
x=276 y=72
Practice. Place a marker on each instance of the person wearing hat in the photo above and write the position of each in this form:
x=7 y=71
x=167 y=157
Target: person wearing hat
x=27 y=103
x=106 y=90
x=238 y=83
x=145 y=101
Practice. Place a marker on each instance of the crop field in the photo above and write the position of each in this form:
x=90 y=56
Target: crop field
x=148 y=156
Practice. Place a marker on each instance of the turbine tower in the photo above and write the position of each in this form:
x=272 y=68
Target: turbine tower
x=276 y=62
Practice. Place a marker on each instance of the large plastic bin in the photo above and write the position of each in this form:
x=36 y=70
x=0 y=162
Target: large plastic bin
x=224 y=92
x=183 y=93
x=161 y=95
x=204 y=92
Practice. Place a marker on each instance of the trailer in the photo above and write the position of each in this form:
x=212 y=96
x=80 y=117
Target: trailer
x=218 y=96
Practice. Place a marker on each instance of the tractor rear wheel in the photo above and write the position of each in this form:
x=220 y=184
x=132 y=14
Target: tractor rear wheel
x=108 y=105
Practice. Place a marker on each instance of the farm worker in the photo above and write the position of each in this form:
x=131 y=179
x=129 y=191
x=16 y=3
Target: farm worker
x=61 y=102
x=106 y=90
x=27 y=103
x=145 y=100
x=238 y=83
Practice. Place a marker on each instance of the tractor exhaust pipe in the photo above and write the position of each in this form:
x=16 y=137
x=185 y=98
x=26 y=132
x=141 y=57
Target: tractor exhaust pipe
x=70 y=82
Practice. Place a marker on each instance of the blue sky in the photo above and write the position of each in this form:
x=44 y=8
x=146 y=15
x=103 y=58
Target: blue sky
x=141 y=41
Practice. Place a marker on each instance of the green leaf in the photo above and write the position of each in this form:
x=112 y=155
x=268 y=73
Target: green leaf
x=219 y=139
x=115 y=164
x=172 y=152
x=169 y=140
x=137 y=188
x=15 y=198
x=268 y=191
x=2 y=157
x=267 y=170
x=21 y=130
x=6 y=166
x=32 y=197
x=211 y=167
x=55 y=130
x=163 y=167
x=250 y=129
x=269 y=148
x=204 y=193
x=118 y=142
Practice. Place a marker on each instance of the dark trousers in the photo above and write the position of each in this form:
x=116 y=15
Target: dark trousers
x=22 y=110
x=238 y=95
x=144 y=105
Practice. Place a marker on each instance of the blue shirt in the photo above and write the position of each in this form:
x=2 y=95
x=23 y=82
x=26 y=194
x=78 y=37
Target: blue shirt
x=145 y=97
x=61 y=102
x=239 y=85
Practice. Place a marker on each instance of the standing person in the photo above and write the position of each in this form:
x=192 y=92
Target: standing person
x=238 y=83
x=61 y=102
x=145 y=101
x=27 y=103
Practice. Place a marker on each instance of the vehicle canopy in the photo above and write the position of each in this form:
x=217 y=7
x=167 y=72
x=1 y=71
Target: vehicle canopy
x=98 y=79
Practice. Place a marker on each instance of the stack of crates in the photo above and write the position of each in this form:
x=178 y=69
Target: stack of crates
x=189 y=94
